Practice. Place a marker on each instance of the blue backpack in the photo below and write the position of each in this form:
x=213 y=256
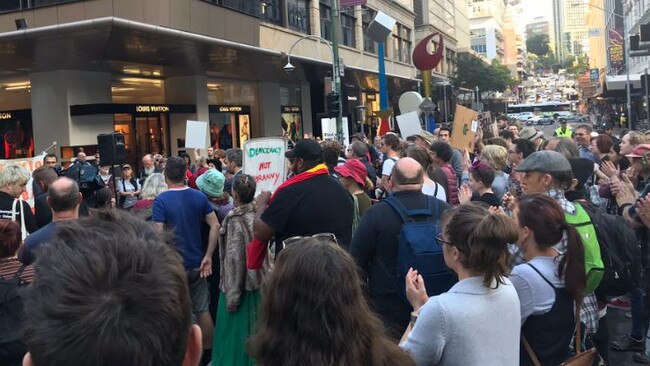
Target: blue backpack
x=419 y=249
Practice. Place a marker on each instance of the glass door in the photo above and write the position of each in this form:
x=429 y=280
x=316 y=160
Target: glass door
x=143 y=134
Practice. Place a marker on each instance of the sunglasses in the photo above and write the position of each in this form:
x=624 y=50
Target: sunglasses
x=326 y=237
x=441 y=240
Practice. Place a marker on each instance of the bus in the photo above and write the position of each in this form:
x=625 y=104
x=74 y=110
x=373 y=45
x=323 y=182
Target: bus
x=545 y=108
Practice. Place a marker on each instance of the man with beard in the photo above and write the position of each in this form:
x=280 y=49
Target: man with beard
x=148 y=168
x=308 y=203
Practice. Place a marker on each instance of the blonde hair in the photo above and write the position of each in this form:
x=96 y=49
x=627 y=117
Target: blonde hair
x=637 y=138
x=496 y=156
x=12 y=174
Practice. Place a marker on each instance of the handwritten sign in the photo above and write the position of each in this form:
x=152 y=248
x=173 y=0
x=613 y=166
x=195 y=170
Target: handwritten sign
x=196 y=134
x=328 y=127
x=30 y=164
x=462 y=136
x=409 y=124
x=264 y=160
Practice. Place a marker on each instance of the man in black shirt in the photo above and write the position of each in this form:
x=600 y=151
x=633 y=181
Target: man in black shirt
x=309 y=203
x=13 y=180
x=375 y=245
x=43 y=176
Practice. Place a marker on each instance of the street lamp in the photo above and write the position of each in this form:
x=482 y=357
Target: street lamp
x=628 y=87
x=336 y=77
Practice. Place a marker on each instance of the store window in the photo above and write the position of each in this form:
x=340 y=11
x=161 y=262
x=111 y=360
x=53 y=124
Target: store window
x=369 y=45
x=16 y=134
x=402 y=43
x=250 y=7
x=298 y=15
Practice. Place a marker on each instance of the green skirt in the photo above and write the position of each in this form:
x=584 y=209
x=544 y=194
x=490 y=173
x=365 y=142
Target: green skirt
x=233 y=329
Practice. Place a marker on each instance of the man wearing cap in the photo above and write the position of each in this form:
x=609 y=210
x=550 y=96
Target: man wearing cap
x=308 y=203
x=531 y=134
x=549 y=172
x=564 y=130
x=424 y=139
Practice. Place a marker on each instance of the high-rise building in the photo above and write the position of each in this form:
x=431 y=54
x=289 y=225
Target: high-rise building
x=514 y=43
x=577 y=37
x=595 y=24
x=541 y=25
x=486 y=28
x=558 y=29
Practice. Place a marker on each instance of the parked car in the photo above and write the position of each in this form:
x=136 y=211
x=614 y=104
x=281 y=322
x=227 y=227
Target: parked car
x=575 y=118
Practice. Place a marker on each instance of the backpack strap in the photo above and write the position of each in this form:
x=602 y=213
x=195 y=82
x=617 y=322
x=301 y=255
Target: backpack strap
x=541 y=275
x=407 y=215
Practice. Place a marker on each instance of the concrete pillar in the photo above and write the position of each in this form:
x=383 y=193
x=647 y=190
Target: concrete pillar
x=53 y=93
x=269 y=107
x=314 y=17
x=187 y=90
x=305 y=104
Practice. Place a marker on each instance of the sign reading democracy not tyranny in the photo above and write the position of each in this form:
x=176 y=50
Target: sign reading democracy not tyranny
x=264 y=160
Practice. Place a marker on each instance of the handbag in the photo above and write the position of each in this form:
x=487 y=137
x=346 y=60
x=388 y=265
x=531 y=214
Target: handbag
x=585 y=358
x=23 y=229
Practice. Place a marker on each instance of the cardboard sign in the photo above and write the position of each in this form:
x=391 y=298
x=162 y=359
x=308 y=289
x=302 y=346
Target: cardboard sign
x=328 y=127
x=196 y=134
x=264 y=160
x=465 y=127
x=409 y=124
x=30 y=164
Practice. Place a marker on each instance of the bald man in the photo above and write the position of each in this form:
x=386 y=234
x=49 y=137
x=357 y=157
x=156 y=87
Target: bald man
x=375 y=243
x=64 y=200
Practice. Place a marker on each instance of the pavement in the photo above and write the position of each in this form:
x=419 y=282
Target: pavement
x=618 y=325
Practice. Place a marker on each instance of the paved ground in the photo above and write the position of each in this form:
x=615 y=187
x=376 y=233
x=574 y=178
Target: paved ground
x=618 y=326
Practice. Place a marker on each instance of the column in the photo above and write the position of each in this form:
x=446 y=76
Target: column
x=187 y=90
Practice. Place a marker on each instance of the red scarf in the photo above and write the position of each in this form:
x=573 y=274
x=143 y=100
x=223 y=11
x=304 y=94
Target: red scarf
x=256 y=250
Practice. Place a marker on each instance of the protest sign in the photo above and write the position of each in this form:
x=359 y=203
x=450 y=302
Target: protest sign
x=409 y=124
x=465 y=127
x=264 y=160
x=328 y=128
x=30 y=164
x=196 y=134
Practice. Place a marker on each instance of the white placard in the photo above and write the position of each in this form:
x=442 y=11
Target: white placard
x=264 y=160
x=328 y=128
x=196 y=134
x=409 y=124
x=474 y=126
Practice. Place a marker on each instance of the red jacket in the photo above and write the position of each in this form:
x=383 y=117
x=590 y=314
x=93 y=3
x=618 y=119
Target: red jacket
x=452 y=183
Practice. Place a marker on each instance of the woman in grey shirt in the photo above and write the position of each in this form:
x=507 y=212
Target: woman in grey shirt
x=477 y=322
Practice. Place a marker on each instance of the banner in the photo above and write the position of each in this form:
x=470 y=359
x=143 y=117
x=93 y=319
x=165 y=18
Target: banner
x=264 y=160
x=616 y=49
x=30 y=164
x=328 y=128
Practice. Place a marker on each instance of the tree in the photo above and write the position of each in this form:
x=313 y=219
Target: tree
x=538 y=44
x=472 y=71
x=580 y=66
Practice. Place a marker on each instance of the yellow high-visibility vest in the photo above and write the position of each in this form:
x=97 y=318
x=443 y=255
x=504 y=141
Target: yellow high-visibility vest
x=566 y=133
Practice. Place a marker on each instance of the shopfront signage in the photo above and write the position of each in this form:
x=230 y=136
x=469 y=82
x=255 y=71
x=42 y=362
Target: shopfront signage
x=5 y=115
x=151 y=109
x=230 y=109
x=290 y=109
x=371 y=97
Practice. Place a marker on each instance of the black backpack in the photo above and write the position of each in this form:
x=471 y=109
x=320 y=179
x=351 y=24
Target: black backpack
x=619 y=250
x=12 y=348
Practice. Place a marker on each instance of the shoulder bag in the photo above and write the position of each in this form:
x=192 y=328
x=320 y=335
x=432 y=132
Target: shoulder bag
x=585 y=358
x=23 y=229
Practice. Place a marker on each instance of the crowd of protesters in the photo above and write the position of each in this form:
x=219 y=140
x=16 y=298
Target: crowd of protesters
x=404 y=250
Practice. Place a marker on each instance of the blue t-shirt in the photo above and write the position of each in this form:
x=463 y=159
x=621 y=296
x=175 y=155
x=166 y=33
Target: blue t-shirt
x=184 y=210
x=35 y=240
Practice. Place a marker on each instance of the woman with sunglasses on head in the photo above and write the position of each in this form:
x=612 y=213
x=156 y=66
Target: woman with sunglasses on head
x=477 y=322
x=309 y=319
x=239 y=287
x=549 y=283
x=479 y=186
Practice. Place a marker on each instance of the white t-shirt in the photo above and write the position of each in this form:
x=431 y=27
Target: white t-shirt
x=430 y=190
x=535 y=295
x=387 y=167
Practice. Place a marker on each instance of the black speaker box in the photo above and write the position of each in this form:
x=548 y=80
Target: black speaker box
x=112 y=150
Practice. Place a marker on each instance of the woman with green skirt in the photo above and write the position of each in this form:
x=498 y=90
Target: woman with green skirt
x=239 y=287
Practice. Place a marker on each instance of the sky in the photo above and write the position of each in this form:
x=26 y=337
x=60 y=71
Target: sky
x=533 y=9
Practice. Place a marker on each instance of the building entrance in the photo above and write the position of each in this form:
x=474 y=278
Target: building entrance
x=144 y=133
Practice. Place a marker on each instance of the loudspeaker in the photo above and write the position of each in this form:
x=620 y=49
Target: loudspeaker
x=380 y=27
x=112 y=150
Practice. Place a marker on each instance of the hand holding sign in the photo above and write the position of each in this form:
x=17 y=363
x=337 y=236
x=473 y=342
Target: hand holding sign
x=264 y=160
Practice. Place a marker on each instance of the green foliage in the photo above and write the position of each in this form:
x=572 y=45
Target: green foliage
x=579 y=66
x=538 y=44
x=472 y=71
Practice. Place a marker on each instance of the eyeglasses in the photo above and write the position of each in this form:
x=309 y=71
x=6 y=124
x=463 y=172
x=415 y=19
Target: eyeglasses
x=441 y=240
x=326 y=237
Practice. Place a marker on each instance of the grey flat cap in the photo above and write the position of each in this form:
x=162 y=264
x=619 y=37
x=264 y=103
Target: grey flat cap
x=545 y=161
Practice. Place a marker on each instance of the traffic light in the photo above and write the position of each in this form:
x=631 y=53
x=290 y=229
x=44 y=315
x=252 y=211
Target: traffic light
x=333 y=104
x=645 y=80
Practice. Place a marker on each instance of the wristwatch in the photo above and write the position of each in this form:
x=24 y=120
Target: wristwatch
x=414 y=318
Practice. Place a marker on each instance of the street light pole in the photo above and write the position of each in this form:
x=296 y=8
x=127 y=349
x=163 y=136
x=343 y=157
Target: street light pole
x=336 y=76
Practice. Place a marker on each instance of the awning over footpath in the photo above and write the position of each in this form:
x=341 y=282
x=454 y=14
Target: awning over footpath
x=617 y=82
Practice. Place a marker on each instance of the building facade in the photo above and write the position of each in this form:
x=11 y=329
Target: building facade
x=575 y=29
x=77 y=68
x=486 y=28
x=559 y=36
